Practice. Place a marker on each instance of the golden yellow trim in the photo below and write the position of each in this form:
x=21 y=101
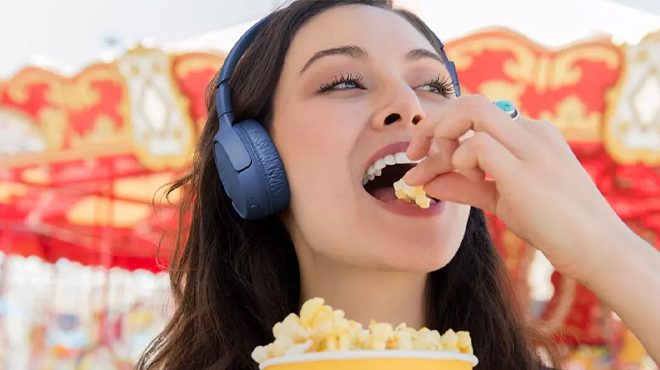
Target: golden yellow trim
x=651 y=37
x=632 y=349
x=64 y=94
x=103 y=128
x=52 y=156
x=99 y=211
x=17 y=86
x=146 y=188
x=186 y=63
x=511 y=33
x=55 y=123
x=574 y=121
x=521 y=68
x=9 y=190
x=17 y=89
x=35 y=175
x=571 y=75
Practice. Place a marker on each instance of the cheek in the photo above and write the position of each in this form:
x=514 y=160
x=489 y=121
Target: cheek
x=315 y=142
x=316 y=145
x=315 y=139
x=329 y=126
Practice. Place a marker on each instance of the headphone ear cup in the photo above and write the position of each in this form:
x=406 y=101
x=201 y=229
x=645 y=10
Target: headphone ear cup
x=261 y=147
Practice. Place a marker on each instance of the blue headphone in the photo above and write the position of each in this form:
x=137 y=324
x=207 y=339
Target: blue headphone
x=248 y=163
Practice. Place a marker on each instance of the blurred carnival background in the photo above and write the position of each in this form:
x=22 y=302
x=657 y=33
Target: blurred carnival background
x=101 y=102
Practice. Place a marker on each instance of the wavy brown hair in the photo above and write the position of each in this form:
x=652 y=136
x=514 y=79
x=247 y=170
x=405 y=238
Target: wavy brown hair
x=232 y=279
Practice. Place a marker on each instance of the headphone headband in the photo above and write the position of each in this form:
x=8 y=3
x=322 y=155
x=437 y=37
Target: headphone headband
x=223 y=95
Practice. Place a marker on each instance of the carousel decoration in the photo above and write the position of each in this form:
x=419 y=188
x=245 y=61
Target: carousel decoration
x=83 y=156
x=83 y=160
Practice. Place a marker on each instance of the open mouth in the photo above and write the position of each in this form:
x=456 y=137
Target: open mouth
x=385 y=178
x=383 y=173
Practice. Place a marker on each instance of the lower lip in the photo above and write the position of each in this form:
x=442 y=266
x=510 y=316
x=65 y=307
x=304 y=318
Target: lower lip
x=404 y=208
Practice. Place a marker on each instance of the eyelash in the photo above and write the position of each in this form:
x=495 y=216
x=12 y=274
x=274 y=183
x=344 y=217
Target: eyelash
x=340 y=80
x=443 y=84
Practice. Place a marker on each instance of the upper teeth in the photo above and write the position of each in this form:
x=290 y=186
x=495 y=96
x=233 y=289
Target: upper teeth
x=376 y=169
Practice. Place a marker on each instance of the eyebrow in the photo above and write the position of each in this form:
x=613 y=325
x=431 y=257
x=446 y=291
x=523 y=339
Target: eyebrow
x=352 y=51
x=359 y=52
x=417 y=54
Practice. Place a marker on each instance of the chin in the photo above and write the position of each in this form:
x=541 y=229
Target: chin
x=416 y=243
x=421 y=256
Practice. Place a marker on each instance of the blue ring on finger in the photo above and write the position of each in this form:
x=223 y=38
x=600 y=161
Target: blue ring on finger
x=508 y=108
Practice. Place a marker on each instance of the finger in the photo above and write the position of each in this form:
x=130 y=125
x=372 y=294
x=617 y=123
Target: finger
x=423 y=136
x=420 y=144
x=436 y=165
x=454 y=187
x=433 y=165
x=474 y=174
x=440 y=163
x=485 y=153
x=479 y=114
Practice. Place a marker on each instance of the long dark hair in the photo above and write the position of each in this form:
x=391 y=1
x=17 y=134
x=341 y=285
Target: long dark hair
x=232 y=280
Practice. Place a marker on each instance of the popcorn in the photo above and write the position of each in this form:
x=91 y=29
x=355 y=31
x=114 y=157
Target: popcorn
x=381 y=335
x=414 y=194
x=319 y=328
x=450 y=341
x=465 y=342
x=429 y=340
x=457 y=341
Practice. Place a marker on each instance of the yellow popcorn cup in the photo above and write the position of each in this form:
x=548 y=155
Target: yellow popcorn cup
x=374 y=360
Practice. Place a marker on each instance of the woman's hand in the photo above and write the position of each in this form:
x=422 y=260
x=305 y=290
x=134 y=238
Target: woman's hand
x=536 y=185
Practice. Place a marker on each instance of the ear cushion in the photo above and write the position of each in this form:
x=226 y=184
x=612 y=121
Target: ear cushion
x=262 y=147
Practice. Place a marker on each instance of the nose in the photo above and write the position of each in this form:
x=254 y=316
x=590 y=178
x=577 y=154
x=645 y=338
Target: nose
x=401 y=107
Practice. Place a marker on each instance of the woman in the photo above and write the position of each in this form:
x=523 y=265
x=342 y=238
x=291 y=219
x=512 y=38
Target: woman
x=340 y=84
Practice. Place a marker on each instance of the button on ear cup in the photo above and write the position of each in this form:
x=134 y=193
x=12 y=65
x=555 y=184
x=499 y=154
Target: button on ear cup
x=267 y=159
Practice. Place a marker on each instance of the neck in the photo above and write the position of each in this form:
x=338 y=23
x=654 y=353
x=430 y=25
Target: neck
x=365 y=295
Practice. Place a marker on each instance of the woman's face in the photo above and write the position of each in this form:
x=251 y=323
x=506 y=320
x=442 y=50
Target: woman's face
x=356 y=80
